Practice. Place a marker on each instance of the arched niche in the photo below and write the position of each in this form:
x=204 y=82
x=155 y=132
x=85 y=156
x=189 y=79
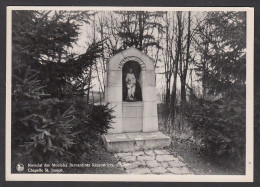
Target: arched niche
x=117 y=61
x=135 y=69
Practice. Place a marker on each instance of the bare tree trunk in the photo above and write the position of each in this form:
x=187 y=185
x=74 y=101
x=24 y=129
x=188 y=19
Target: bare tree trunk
x=183 y=91
x=178 y=58
x=186 y=63
x=167 y=92
x=168 y=61
x=90 y=69
x=141 y=30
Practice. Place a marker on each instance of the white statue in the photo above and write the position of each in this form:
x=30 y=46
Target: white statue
x=130 y=83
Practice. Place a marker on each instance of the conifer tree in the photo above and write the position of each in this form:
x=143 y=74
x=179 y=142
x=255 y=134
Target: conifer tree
x=51 y=120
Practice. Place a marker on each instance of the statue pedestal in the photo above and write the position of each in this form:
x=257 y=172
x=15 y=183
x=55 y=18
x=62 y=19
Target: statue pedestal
x=125 y=142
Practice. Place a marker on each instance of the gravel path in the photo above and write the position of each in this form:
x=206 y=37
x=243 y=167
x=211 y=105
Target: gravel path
x=152 y=162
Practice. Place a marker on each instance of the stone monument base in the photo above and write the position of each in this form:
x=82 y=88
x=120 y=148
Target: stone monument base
x=125 y=142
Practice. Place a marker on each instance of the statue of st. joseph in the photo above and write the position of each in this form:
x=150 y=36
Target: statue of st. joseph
x=130 y=84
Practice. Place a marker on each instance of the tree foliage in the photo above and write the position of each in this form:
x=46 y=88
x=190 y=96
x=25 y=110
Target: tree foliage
x=137 y=27
x=51 y=119
x=220 y=119
x=224 y=33
x=219 y=126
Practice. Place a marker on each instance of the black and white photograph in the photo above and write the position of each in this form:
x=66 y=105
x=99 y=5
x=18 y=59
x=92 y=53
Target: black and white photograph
x=129 y=94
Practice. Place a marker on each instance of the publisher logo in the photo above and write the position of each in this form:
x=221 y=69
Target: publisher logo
x=20 y=167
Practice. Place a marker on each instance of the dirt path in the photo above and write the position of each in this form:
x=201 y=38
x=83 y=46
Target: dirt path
x=199 y=164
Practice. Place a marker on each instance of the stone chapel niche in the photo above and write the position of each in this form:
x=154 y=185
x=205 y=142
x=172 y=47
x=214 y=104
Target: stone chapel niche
x=132 y=92
x=135 y=126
